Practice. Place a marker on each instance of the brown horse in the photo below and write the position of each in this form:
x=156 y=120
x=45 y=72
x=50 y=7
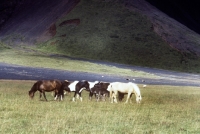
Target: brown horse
x=47 y=86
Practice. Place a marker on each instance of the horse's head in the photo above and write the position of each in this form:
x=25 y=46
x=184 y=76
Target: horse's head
x=87 y=85
x=138 y=98
x=137 y=93
x=33 y=90
x=31 y=94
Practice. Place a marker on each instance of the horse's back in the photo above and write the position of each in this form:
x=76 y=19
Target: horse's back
x=92 y=84
x=72 y=86
x=49 y=85
x=122 y=87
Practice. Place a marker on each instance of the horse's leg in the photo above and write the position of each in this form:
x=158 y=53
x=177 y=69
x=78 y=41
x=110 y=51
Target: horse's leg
x=98 y=96
x=60 y=94
x=115 y=96
x=128 y=96
x=111 y=96
x=74 y=97
x=81 y=99
x=90 y=95
x=44 y=96
x=40 y=95
x=55 y=96
x=77 y=96
x=104 y=97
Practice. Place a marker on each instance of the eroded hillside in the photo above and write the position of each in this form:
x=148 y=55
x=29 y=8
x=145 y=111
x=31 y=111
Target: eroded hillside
x=129 y=31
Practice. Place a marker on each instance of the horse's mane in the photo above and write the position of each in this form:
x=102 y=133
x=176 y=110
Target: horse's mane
x=35 y=86
x=137 y=90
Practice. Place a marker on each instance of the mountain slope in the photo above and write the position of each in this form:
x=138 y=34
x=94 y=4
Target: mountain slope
x=125 y=31
x=175 y=34
x=30 y=19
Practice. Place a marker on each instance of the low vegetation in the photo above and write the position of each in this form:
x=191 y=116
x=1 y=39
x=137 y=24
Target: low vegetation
x=164 y=109
x=3 y=46
x=36 y=59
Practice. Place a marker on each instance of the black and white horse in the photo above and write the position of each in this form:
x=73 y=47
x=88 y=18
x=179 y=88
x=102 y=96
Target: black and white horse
x=75 y=86
x=92 y=84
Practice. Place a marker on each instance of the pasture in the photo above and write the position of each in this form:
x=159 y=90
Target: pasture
x=163 y=110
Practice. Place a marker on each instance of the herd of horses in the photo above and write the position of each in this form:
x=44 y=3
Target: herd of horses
x=98 y=88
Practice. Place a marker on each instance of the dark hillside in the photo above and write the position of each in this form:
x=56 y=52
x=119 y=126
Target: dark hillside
x=124 y=31
x=184 y=11
x=110 y=31
x=27 y=20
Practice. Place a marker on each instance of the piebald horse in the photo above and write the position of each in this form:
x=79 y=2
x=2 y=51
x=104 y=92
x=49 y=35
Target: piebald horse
x=47 y=86
x=75 y=86
x=129 y=88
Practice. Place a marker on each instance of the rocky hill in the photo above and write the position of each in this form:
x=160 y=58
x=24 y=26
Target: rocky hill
x=124 y=31
x=27 y=20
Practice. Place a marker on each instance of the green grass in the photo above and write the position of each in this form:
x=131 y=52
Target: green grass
x=3 y=46
x=163 y=110
x=36 y=59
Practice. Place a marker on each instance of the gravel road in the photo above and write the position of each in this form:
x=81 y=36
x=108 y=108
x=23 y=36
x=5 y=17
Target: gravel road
x=15 y=72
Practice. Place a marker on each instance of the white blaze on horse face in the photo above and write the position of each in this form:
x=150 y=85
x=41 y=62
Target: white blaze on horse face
x=72 y=86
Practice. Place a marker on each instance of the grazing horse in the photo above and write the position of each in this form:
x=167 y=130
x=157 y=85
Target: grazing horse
x=91 y=85
x=76 y=86
x=47 y=86
x=100 y=89
x=129 y=88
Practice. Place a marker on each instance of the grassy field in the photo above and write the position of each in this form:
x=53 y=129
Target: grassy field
x=164 y=110
x=32 y=58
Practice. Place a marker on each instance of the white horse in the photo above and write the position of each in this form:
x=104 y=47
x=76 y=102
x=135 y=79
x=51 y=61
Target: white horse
x=129 y=88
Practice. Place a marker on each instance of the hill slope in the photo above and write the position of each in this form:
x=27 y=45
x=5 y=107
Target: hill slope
x=29 y=19
x=131 y=32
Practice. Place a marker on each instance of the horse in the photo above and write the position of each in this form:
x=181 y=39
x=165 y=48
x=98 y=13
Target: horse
x=47 y=86
x=75 y=86
x=91 y=85
x=100 y=89
x=129 y=88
